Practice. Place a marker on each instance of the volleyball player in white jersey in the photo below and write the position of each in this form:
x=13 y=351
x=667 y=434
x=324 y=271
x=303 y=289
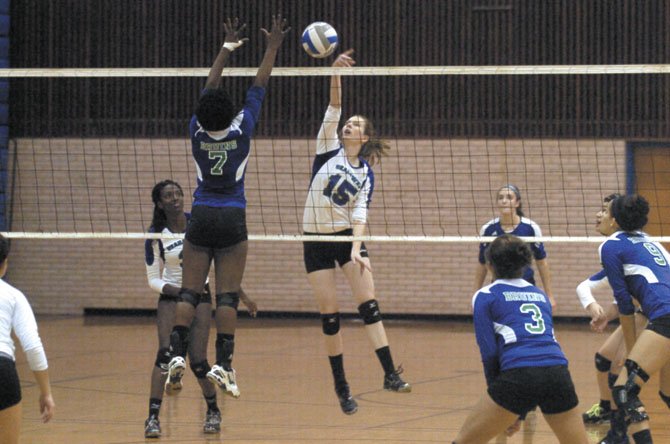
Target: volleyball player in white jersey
x=169 y=218
x=217 y=232
x=337 y=204
x=16 y=316
x=511 y=220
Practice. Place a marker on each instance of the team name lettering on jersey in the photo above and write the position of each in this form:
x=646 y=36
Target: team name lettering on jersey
x=349 y=175
x=514 y=296
x=219 y=146
x=174 y=245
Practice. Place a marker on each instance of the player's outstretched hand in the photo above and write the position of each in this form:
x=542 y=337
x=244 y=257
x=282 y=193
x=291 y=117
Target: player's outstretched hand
x=596 y=311
x=277 y=32
x=47 y=406
x=598 y=325
x=234 y=30
x=363 y=262
x=511 y=430
x=252 y=308
x=345 y=59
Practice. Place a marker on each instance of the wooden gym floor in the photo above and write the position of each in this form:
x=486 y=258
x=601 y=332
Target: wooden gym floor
x=100 y=368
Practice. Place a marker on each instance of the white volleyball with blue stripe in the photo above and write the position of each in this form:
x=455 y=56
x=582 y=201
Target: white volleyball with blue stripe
x=319 y=39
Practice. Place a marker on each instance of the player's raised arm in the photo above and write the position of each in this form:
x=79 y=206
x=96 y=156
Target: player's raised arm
x=275 y=37
x=343 y=60
x=232 y=41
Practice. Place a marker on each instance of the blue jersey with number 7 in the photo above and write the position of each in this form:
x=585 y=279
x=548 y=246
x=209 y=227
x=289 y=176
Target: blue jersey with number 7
x=639 y=269
x=514 y=328
x=221 y=156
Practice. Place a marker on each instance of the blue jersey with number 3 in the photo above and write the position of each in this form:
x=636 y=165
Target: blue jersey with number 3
x=637 y=268
x=514 y=328
x=221 y=157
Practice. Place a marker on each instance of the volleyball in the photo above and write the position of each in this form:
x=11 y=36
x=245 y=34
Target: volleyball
x=319 y=39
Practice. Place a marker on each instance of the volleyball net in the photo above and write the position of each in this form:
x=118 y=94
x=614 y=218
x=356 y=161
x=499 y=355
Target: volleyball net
x=89 y=144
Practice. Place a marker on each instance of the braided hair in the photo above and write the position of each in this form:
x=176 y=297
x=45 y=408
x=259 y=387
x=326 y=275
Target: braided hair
x=159 y=220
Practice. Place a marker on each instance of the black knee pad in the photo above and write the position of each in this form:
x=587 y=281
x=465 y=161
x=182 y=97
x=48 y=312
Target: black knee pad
x=602 y=363
x=179 y=340
x=626 y=399
x=635 y=370
x=620 y=396
x=230 y=299
x=189 y=296
x=200 y=369
x=330 y=323
x=643 y=437
x=369 y=311
x=665 y=398
x=611 y=380
x=163 y=358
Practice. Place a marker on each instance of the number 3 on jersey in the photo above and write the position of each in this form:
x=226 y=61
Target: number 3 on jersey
x=339 y=193
x=537 y=326
x=221 y=157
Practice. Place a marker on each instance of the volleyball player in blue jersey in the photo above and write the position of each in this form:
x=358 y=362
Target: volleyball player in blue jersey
x=337 y=203
x=220 y=138
x=638 y=270
x=523 y=364
x=512 y=221
x=610 y=356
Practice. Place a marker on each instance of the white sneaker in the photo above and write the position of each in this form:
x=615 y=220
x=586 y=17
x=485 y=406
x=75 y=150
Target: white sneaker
x=224 y=379
x=176 y=369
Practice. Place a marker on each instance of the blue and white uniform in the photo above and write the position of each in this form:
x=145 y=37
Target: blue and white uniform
x=221 y=156
x=514 y=327
x=585 y=289
x=525 y=228
x=167 y=251
x=339 y=193
x=637 y=268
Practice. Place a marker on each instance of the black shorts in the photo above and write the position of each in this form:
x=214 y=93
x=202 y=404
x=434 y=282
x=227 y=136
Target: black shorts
x=660 y=325
x=323 y=255
x=520 y=390
x=217 y=227
x=10 y=387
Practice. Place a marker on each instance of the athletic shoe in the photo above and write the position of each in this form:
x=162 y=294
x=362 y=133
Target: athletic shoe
x=176 y=369
x=225 y=379
x=152 y=427
x=348 y=404
x=610 y=438
x=597 y=415
x=393 y=382
x=212 y=422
